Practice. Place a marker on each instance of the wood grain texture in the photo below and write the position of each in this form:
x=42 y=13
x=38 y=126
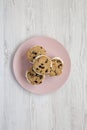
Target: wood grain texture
x=66 y=21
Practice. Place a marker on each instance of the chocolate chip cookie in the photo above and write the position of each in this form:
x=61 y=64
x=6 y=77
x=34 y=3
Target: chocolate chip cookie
x=57 y=67
x=33 y=77
x=42 y=65
x=33 y=52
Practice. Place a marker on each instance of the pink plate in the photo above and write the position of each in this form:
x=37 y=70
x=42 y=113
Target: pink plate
x=21 y=64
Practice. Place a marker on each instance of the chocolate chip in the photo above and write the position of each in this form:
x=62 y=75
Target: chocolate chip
x=46 y=70
x=31 y=74
x=46 y=61
x=42 y=64
x=42 y=67
x=35 y=81
x=59 y=65
x=37 y=75
x=58 y=61
x=33 y=52
x=41 y=47
x=28 y=73
x=34 y=57
x=40 y=82
x=55 y=72
x=51 y=70
x=40 y=76
x=37 y=69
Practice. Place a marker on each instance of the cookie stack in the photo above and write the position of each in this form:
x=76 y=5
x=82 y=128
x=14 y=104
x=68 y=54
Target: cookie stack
x=42 y=65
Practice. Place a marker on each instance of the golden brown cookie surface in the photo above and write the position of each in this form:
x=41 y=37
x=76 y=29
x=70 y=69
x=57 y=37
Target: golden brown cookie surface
x=33 y=77
x=33 y=52
x=42 y=65
x=57 y=67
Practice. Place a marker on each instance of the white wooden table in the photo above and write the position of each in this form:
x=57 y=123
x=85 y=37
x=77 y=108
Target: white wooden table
x=66 y=21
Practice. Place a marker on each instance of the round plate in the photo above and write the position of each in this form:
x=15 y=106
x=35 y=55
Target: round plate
x=21 y=64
